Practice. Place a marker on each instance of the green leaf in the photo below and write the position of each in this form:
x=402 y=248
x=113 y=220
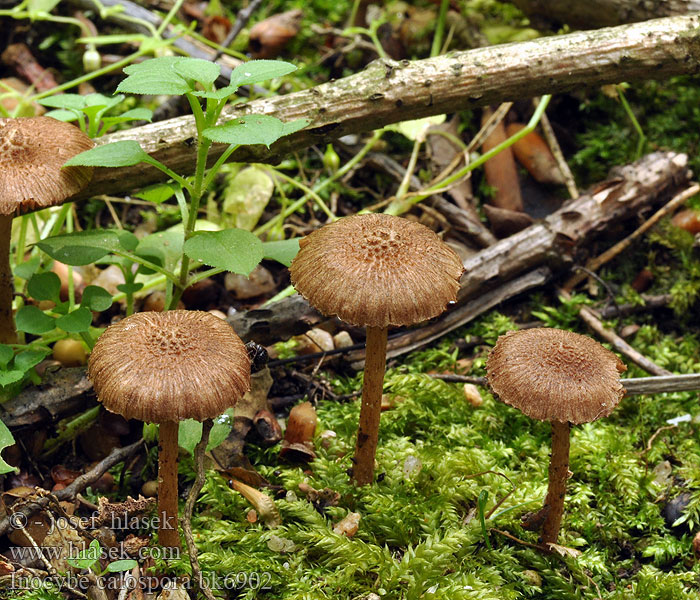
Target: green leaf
x=135 y=114
x=248 y=73
x=27 y=359
x=203 y=71
x=26 y=269
x=253 y=129
x=96 y=298
x=190 y=432
x=129 y=288
x=165 y=247
x=414 y=129
x=283 y=251
x=6 y=440
x=102 y=101
x=86 y=558
x=246 y=195
x=8 y=378
x=235 y=250
x=6 y=354
x=67 y=116
x=117 y=154
x=155 y=76
x=42 y=5
x=121 y=565
x=255 y=71
x=158 y=193
x=31 y=319
x=77 y=321
x=67 y=101
x=85 y=247
x=45 y=286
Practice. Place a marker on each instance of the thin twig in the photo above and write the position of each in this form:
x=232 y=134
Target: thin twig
x=557 y=153
x=634 y=386
x=49 y=567
x=517 y=540
x=655 y=435
x=241 y=19
x=597 y=262
x=589 y=317
x=199 y=451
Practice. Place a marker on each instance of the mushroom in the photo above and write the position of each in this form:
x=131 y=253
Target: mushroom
x=561 y=377
x=375 y=270
x=163 y=368
x=32 y=150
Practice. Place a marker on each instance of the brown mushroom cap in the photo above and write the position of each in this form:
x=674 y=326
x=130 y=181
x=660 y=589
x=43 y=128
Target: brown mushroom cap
x=555 y=375
x=376 y=270
x=169 y=366
x=32 y=150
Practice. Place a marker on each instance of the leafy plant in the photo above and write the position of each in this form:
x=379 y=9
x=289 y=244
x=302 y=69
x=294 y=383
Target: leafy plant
x=89 y=111
x=90 y=557
x=234 y=250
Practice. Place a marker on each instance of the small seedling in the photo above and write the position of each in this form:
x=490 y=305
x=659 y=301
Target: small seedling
x=90 y=559
x=233 y=250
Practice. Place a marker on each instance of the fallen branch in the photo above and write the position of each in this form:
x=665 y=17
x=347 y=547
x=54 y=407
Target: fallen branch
x=591 y=319
x=390 y=91
x=595 y=263
x=634 y=386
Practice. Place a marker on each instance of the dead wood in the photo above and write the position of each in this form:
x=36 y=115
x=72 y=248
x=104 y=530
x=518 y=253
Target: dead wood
x=634 y=386
x=601 y=13
x=390 y=91
x=61 y=392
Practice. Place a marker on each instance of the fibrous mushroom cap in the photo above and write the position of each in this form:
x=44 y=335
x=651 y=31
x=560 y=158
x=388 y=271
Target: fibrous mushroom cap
x=555 y=375
x=169 y=366
x=32 y=150
x=376 y=270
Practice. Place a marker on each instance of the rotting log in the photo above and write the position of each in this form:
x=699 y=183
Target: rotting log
x=390 y=91
x=601 y=13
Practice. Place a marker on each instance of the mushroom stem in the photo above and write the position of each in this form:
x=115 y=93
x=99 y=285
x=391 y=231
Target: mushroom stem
x=372 y=388
x=167 y=485
x=8 y=333
x=558 y=474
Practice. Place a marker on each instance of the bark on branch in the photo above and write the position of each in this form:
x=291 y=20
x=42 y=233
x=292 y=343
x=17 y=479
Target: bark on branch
x=390 y=91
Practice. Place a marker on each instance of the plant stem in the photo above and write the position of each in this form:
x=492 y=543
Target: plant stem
x=167 y=486
x=439 y=29
x=558 y=474
x=8 y=333
x=372 y=388
x=189 y=508
x=398 y=207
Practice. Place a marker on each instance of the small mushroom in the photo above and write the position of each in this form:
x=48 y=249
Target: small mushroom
x=375 y=270
x=32 y=150
x=561 y=377
x=164 y=368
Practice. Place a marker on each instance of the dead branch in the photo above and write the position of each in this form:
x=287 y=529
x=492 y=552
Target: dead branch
x=634 y=386
x=390 y=91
